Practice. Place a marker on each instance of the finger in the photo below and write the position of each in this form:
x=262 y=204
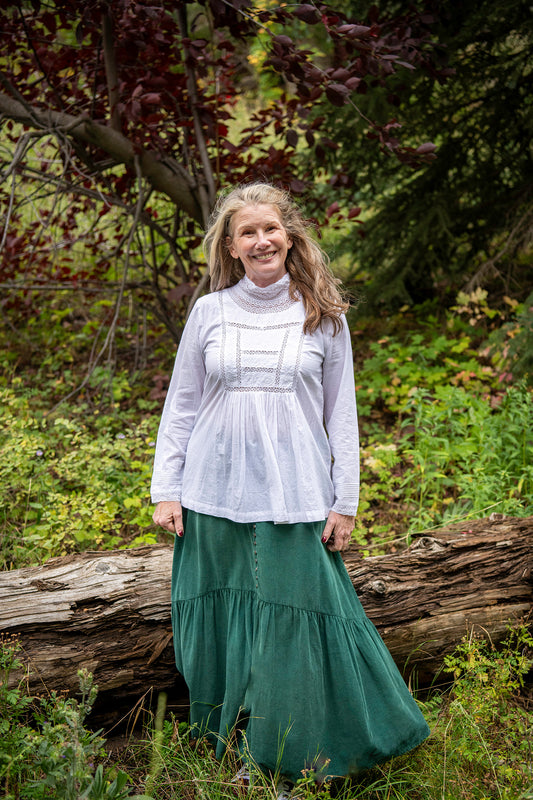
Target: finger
x=340 y=539
x=178 y=524
x=327 y=532
x=162 y=518
x=345 y=540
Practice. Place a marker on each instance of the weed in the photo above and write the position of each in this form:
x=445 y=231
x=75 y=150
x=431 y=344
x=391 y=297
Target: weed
x=45 y=750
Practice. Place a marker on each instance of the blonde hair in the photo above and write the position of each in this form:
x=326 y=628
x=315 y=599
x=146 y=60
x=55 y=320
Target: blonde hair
x=306 y=263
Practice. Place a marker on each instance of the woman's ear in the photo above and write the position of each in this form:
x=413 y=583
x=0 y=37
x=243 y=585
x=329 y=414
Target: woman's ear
x=230 y=247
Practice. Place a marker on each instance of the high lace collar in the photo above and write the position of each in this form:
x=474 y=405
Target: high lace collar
x=273 y=291
x=259 y=299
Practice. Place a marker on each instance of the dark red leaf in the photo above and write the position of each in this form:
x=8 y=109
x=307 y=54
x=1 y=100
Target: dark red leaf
x=292 y=137
x=332 y=209
x=352 y=83
x=337 y=93
x=427 y=147
x=284 y=41
x=297 y=186
x=340 y=74
x=49 y=22
x=307 y=13
x=183 y=290
x=353 y=30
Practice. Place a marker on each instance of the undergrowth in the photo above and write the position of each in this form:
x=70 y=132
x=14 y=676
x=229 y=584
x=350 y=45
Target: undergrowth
x=446 y=422
x=480 y=746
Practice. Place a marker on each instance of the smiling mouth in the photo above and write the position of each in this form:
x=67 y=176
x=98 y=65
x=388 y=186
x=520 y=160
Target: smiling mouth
x=265 y=256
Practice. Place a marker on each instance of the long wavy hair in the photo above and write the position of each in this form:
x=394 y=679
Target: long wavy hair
x=306 y=263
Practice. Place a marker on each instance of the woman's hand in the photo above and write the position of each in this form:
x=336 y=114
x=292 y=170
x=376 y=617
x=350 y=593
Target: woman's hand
x=338 y=531
x=169 y=514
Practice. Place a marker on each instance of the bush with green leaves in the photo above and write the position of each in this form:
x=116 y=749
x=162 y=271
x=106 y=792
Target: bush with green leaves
x=76 y=480
x=466 y=458
x=488 y=738
x=445 y=435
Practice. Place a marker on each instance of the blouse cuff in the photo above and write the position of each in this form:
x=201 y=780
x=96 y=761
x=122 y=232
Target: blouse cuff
x=166 y=495
x=347 y=509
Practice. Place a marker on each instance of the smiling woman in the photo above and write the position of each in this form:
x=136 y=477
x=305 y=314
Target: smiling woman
x=257 y=472
x=260 y=241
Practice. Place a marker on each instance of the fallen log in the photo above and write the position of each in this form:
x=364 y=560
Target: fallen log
x=446 y=585
x=109 y=611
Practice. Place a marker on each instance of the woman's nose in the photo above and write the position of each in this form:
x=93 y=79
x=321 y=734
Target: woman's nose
x=261 y=238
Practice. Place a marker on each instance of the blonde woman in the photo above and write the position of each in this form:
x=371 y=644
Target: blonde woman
x=257 y=472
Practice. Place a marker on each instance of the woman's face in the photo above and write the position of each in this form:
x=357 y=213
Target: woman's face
x=261 y=242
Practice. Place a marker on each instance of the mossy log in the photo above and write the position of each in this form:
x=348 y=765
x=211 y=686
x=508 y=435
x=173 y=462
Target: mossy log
x=109 y=611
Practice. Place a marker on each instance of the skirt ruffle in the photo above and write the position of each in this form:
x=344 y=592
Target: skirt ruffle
x=277 y=651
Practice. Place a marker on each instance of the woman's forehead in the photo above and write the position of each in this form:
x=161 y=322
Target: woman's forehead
x=255 y=215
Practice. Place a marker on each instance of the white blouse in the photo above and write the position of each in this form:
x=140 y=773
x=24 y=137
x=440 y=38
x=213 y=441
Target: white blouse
x=260 y=420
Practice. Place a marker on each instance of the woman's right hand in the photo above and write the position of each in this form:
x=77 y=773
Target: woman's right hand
x=169 y=514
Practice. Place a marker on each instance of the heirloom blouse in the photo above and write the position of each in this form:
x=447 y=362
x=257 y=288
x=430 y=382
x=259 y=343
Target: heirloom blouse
x=260 y=420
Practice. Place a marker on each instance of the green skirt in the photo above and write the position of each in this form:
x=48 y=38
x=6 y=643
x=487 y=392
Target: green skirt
x=278 y=653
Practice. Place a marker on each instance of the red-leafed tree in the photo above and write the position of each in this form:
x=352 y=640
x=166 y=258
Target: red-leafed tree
x=122 y=121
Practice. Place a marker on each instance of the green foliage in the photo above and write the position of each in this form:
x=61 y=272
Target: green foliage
x=444 y=434
x=489 y=736
x=45 y=749
x=466 y=457
x=75 y=481
x=421 y=361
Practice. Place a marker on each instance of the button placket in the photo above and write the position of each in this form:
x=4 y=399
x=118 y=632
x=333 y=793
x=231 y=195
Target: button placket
x=254 y=528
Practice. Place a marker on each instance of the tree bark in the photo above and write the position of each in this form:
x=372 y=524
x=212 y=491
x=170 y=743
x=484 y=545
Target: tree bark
x=110 y=613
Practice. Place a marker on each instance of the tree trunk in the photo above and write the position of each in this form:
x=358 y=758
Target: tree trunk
x=110 y=611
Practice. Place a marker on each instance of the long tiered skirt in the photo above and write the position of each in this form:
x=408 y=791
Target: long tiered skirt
x=276 y=649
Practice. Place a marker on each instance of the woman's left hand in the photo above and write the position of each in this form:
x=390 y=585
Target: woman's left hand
x=338 y=531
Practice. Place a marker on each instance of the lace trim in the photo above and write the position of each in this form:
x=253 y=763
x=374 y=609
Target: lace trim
x=262 y=299
x=282 y=360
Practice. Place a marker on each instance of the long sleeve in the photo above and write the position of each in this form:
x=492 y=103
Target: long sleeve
x=179 y=413
x=340 y=417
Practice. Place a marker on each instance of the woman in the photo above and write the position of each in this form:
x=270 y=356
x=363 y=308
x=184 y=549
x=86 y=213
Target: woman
x=256 y=471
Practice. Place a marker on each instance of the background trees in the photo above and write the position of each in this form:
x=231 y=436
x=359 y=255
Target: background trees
x=465 y=220
x=123 y=120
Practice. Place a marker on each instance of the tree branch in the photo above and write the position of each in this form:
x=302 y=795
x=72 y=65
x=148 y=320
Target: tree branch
x=209 y=201
x=111 y=71
x=173 y=180
x=121 y=287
